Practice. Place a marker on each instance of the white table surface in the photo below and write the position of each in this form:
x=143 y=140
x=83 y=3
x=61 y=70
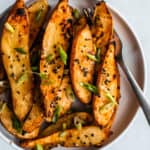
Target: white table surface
x=137 y=13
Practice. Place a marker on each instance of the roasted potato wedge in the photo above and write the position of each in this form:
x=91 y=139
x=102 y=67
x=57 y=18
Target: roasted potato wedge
x=87 y=136
x=105 y=105
x=81 y=66
x=6 y=118
x=102 y=28
x=34 y=119
x=68 y=121
x=37 y=15
x=55 y=43
x=15 y=49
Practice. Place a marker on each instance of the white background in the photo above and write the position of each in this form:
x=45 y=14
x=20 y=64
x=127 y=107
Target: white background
x=137 y=12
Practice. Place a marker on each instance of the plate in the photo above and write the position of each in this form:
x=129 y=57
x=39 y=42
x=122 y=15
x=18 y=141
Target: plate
x=133 y=56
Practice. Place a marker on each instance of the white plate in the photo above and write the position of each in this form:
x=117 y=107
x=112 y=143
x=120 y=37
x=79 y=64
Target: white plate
x=133 y=55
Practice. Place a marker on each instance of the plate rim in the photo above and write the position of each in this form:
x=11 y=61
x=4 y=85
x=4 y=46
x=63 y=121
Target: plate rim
x=144 y=84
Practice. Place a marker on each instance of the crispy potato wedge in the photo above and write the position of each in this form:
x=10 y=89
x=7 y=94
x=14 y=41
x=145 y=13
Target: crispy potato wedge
x=15 y=49
x=6 y=116
x=81 y=67
x=37 y=15
x=68 y=120
x=51 y=63
x=102 y=29
x=34 y=119
x=105 y=105
x=87 y=136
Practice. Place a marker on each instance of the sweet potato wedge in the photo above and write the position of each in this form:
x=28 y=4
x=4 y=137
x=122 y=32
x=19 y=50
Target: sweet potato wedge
x=34 y=119
x=68 y=121
x=105 y=105
x=37 y=15
x=102 y=28
x=15 y=49
x=87 y=136
x=6 y=118
x=54 y=46
x=81 y=67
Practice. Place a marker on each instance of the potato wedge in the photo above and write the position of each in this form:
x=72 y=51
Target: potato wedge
x=102 y=29
x=37 y=15
x=105 y=105
x=15 y=49
x=81 y=67
x=87 y=136
x=34 y=119
x=55 y=43
x=6 y=118
x=68 y=120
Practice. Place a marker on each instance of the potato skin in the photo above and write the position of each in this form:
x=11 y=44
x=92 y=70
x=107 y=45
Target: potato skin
x=55 y=34
x=39 y=6
x=108 y=81
x=6 y=119
x=16 y=63
x=81 y=67
x=102 y=28
x=87 y=136
x=69 y=121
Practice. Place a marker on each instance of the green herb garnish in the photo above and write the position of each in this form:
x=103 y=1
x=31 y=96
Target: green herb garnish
x=110 y=98
x=64 y=126
x=16 y=124
x=39 y=147
x=70 y=94
x=9 y=27
x=20 y=50
x=43 y=76
x=49 y=58
x=105 y=108
x=76 y=13
x=98 y=55
x=38 y=15
x=56 y=114
x=62 y=134
x=89 y=87
x=34 y=68
x=92 y=57
x=22 y=78
x=63 y=54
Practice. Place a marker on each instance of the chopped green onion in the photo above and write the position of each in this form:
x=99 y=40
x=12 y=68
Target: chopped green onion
x=110 y=98
x=43 y=76
x=16 y=124
x=76 y=13
x=20 y=50
x=64 y=126
x=62 y=134
x=56 y=114
x=39 y=147
x=105 y=108
x=49 y=58
x=38 y=15
x=89 y=87
x=9 y=27
x=34 y=68
x=63 y=54
x=22 y=78
x=98 y=55
x=70 y=94
x=79 y=126
x=92 y=57
x=78 y=122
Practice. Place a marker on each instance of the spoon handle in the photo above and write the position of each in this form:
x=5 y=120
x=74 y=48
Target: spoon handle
x=143 y=101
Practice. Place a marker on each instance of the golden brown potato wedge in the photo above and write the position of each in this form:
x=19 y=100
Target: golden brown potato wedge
x=34 y=119
x=102 y=29
x=87 y=136
x=15 y=49
x=55 y=43
x=81 y=66
x=11 y=125
x=68 y=122
x=37 y=15
x=105 y=105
